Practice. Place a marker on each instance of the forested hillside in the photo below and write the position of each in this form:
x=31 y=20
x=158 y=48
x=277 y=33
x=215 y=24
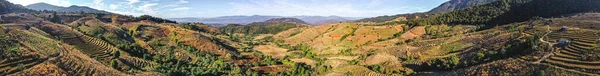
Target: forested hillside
x=7 y=7
x=508 y=11
x=457 y=5
x=257 y=28
x=271 y=26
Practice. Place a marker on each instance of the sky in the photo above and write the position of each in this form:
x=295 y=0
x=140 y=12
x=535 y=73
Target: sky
x=215 y=8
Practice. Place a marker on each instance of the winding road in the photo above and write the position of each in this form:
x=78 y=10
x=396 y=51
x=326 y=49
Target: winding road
x=549 y=43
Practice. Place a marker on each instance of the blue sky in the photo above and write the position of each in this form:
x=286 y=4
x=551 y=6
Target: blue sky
x=214 y=8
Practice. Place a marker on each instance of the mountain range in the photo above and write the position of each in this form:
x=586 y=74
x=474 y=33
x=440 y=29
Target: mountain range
x=74 y=8
x=287 y=20
x=313 y=20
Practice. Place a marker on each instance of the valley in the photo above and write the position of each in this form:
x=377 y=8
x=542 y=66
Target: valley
x=468 y=38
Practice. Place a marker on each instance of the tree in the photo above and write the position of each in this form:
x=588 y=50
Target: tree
x=116 y=54
x=155 y=19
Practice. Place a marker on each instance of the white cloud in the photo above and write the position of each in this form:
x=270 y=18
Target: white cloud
x=147 y=8
x=127 y=7
x=64 y=3
x=183 y=1
x=133 y=1
x=181 y=9
x=98 y=2
x=112 y=6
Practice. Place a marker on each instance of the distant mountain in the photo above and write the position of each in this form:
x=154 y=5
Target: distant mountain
x=227 y=19
x=43 y=6
x=7 y=7
x=46 y=6
x=457 y=5
x=313 y=20
x=320 y=20
x=286 y=20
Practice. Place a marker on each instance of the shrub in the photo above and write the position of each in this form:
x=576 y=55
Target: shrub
x=347 y=52
x=479 y=57
x=256 y=64
x=400 y=43
x=299 y=69
x=21 y=66
x=376 y=68
x=294 y=34
x=114 y=64
x=353 y=62
x=446 y=63
x=134 y=49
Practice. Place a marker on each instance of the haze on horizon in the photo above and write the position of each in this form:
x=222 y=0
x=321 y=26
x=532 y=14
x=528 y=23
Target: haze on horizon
x=215 y=8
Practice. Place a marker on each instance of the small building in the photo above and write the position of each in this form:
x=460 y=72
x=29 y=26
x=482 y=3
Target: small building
x=563 y=43
x=564 y=28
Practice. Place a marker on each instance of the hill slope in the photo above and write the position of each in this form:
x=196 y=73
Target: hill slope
x=286 y=20
x=457 y=5
x=272 y=26
x=443 y=8
x=509 y=11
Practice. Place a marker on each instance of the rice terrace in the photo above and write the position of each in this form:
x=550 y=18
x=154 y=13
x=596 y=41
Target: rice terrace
x=299 y=38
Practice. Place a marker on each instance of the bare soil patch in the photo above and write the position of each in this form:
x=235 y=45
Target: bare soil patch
x=306 y=61
x=415 y=32
x=380 y=58
x=43 y=69
x=335 y=63
x=271 y=69
x=272 y=50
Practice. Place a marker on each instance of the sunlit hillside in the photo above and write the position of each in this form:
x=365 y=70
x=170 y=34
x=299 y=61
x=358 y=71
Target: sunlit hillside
x=457 y=38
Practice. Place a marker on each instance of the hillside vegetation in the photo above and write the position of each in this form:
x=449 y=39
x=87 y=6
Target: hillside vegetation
x=509 y=11
x=457 y=5
x=272 y=26
x=500 y=38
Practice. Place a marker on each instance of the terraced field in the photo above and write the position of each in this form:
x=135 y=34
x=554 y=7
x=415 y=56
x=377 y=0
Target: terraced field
x=83 y=67
x=571 y=56
x=16 y=64
x=96 y=48
x=355 y=70
x=75 y=62
x=79 y=68
x=102 y=51
x=137 y=63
